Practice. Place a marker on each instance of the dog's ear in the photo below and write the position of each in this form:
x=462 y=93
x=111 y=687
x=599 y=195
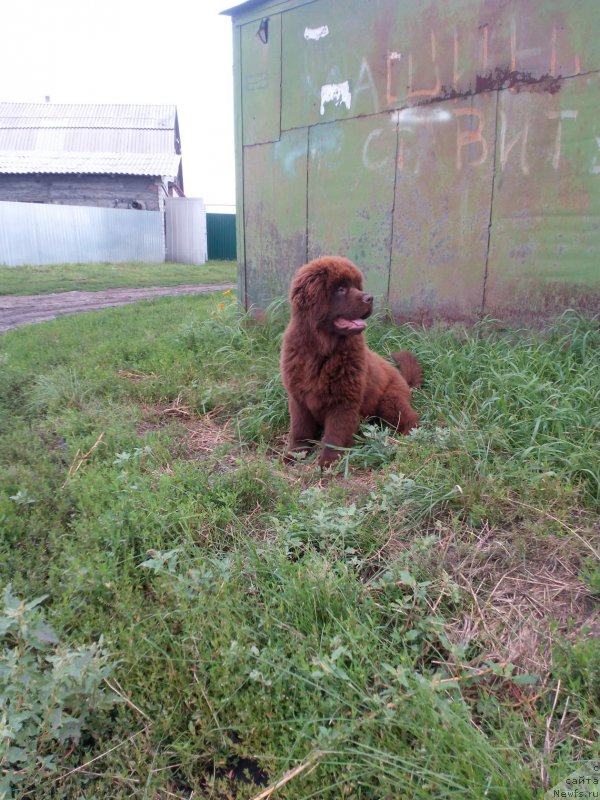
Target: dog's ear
x=307 y=292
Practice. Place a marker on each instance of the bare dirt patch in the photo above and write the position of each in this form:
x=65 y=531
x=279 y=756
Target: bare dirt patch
x=200 y=436
x=23 y=310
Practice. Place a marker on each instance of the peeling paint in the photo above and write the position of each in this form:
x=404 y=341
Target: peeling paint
x=526 y=302
x=517 y=81
x=314 y=34
x=336 y=93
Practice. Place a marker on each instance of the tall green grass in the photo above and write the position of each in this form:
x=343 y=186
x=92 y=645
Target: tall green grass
x=523 y=399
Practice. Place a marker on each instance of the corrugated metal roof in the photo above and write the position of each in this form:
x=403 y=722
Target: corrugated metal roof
x=26 y=162
x=94 y=140
x=89 y=138
x=67 y=115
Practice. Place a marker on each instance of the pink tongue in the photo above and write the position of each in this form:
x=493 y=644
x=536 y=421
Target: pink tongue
x=350 y=324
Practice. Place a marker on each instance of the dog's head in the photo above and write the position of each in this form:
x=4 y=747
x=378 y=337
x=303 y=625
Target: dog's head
x=328 y=293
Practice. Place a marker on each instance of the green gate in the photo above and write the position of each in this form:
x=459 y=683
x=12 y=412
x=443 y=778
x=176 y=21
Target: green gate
x=220 y=233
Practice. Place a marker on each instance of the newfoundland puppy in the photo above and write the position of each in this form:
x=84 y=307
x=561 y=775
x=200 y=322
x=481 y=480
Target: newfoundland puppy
x=331 y=376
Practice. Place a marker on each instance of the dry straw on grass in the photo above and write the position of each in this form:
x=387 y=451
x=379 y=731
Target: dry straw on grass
x=519 y=604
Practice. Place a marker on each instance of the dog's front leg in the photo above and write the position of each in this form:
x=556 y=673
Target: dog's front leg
x=340 y=426
x=304 y=429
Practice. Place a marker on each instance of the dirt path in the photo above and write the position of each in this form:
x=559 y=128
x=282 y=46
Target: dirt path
x=24 y=309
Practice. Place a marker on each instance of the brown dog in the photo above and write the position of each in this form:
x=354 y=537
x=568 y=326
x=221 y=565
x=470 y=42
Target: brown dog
x=331 y=376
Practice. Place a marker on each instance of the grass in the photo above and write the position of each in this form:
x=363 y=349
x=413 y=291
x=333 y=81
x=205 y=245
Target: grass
x=95 y=277
x=417 y=623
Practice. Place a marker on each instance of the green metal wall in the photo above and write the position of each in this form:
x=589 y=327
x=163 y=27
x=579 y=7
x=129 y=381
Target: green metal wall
x=451 y=148
x=221 y=236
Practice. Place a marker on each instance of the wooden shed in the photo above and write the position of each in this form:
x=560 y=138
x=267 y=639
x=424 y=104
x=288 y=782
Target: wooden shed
x=114 y=156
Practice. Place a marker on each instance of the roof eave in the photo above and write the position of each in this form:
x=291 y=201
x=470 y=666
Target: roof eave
x=241 y=7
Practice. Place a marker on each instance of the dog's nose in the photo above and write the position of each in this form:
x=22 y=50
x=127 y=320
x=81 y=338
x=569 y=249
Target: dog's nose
x=368 y=298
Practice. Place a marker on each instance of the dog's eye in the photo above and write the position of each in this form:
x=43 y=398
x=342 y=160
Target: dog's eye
x=342 y=289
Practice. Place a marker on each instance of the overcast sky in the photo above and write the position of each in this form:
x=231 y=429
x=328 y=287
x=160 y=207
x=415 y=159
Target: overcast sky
x=132 y=51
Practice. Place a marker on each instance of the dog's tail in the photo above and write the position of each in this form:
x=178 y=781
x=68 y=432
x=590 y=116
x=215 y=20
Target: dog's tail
x=409 y=367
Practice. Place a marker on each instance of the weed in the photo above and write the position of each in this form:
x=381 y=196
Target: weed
x=63 y=388
x=48 y=694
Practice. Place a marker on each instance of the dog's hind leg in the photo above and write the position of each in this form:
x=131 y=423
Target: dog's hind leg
x=395 y=408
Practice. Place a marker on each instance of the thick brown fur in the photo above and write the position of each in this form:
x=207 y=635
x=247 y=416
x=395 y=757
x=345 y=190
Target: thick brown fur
x=331 y=376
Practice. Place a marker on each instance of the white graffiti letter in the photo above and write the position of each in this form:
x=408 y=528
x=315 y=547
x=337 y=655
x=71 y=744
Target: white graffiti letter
x=559 y=115
x=365 y=82
x=374 y=166
x=506 y=148
x=595 y=166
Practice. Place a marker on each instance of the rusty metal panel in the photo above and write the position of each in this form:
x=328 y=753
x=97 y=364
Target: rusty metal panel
x=365 y=58
x=261 y=80
x=351 y=194
x=420 y=118
x=545 y=233
x=275 y=215
x=442 y=209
